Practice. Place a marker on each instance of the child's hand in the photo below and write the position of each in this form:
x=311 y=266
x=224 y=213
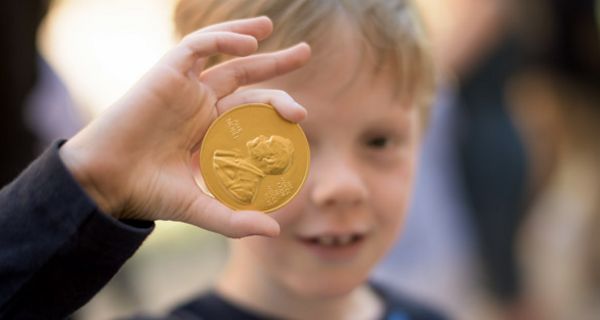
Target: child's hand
x=135 y=159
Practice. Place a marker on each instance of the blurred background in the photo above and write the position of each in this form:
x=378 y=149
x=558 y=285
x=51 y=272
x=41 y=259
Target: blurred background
x=505 y=220
x=63 y=62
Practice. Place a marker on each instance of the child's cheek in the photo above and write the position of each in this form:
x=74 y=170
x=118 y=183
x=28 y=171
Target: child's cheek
x=394 y=192
x=291 y=212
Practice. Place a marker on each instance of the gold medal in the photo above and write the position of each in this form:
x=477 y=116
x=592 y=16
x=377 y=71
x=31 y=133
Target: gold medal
x=253 y=159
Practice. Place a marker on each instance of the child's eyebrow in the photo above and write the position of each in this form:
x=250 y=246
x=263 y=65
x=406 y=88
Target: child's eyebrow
x=389 y=123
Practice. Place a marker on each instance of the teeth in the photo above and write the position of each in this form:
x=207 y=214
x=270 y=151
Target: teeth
x=344 y=240
x=336 y=240
x=326 y=241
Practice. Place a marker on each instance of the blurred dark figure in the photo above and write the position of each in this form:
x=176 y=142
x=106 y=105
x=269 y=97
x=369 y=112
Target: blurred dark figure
x=18 y=69
x=557 y=106
x=37 y=107
x=494 y=164
x=506 y=168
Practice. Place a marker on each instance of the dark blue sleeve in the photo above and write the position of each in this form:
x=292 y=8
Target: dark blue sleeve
x=56 y=249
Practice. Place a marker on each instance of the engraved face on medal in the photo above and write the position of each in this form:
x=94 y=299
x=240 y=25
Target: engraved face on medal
x=253 y=159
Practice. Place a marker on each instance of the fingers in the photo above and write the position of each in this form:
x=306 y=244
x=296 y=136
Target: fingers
x=227 y=77
x=209 y=214
x=199 y=45
x=237 y=37
x=285 y=105
x=259 y=27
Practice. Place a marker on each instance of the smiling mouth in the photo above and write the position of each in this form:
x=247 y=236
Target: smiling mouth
x=333 y=240
x=335 y=248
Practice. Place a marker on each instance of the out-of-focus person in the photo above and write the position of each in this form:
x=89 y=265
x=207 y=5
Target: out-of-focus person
x=36 y=106
x=557 y=104
x=20 y=20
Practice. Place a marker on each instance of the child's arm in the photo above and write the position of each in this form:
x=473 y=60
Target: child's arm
x=134 y=161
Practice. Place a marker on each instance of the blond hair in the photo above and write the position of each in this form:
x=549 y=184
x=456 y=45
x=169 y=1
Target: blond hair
x=391 y=29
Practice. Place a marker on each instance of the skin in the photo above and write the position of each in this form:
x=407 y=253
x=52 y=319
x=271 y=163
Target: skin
x=363 y=148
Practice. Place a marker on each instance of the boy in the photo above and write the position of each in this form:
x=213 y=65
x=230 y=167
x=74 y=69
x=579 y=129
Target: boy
x=365 y=89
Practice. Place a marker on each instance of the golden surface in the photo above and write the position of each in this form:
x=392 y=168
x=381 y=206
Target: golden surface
x=253 y=159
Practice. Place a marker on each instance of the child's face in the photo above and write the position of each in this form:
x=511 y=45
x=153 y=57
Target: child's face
x=363 y=147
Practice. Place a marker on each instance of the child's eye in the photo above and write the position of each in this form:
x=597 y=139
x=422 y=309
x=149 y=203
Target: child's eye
x=380 y=142
x=384 y=146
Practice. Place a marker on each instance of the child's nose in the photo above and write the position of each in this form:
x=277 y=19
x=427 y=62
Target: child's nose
x=337 y=184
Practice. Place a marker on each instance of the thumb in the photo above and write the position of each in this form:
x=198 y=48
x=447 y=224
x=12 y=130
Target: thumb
x=212 y=215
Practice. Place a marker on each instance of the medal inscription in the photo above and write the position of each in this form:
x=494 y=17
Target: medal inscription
x=234 y=127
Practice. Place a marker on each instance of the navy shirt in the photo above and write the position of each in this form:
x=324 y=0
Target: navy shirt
x=213 y=306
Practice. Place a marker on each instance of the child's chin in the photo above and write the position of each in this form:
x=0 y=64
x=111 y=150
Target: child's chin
x=327 y=289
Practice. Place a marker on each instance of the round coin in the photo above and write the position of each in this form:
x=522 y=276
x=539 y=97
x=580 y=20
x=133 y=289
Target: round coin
x=253 y=159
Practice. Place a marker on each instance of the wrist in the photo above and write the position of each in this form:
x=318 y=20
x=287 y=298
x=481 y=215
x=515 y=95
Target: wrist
x=84 y=173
